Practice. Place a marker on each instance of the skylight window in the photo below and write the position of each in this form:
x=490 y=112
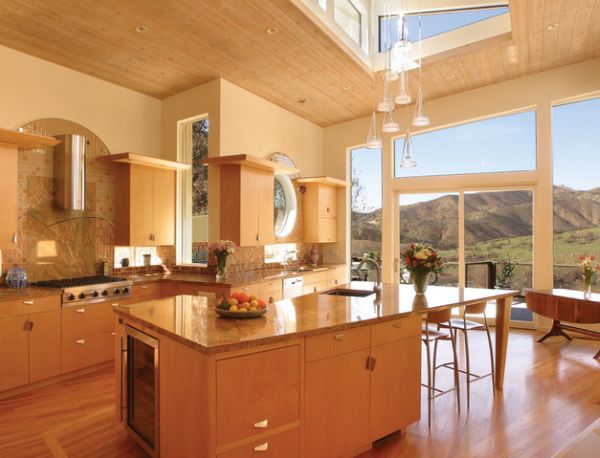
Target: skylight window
x=433 y=23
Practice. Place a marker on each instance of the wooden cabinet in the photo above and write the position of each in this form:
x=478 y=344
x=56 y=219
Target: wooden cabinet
x=285 y=444
x=8 y=191
x=246 y=210
x=337 y=276
x=396 y=353
x=29 y=341
x=87 y=336
x=145 y=209
x=14 y=352
x=321 y=209
x=271 y=291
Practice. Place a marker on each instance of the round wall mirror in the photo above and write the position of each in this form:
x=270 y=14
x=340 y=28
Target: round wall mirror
x=286 y=205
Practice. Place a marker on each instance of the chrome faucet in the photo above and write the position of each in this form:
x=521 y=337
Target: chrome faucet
x=377 y=286
x=285 y=261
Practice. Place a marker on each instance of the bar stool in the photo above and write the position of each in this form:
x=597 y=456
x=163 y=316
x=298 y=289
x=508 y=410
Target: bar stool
x=428 y=336
x=465 y=325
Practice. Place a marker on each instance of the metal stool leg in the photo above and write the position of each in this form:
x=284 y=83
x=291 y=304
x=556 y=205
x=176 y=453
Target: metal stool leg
x=468 y=362
x=493 y=365
x=456 y=381
x=429 y=386
x=435 y=347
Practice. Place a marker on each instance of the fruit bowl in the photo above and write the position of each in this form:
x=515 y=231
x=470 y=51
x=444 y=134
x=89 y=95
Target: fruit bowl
x=241 y=305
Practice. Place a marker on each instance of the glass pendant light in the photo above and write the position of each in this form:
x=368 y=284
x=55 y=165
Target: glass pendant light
x=403 y=97
x=403 y=44
x=386 y=103
x=373 y=140
x=420 y=118
x=389 y=123
x=407 y=160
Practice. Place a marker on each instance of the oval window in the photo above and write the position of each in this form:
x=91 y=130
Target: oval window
x=285 y=206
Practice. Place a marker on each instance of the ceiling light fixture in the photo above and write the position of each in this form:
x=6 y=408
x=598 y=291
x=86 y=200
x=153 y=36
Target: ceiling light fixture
x=272 y=30
x=140 y=28
x=420 y=118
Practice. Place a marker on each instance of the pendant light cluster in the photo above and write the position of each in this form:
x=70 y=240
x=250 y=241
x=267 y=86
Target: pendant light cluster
x=395 y=87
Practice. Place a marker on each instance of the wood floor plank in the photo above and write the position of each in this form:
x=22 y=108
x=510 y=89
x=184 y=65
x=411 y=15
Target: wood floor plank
x=551 y=393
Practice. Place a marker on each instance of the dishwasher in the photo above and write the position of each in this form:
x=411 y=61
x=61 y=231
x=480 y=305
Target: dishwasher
x=292 y=287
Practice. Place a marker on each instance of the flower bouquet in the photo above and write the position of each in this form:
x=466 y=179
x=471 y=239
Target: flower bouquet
x=421 y=260
x=220 y=250
x=588 y=270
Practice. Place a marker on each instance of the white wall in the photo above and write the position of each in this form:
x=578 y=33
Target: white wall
x=32 y=88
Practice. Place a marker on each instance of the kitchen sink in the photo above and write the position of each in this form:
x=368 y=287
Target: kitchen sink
x=349 y=292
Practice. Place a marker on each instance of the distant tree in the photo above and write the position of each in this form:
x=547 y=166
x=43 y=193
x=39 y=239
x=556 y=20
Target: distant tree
x=199 y=171
x=359 y=200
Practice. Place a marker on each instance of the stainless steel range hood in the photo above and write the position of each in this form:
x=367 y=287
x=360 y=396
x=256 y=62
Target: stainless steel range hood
x=69 y=172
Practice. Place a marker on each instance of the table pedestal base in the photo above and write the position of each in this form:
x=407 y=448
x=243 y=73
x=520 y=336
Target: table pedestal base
x=557 y=330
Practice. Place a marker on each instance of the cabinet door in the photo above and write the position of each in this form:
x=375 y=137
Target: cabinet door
x=8 y=191
x=44 y=345
x=395 y=386
x=327 y=201
x=327 y=230
x=266 y=204
x=249 y=202
x=14 y=352
x=141 y=205
x=164 y=207
x=337 y=406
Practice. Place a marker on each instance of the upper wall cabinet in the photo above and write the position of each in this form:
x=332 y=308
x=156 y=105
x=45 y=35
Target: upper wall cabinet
x=10 y=142
x=247 y=198
x=145 y=199
x=320 y=209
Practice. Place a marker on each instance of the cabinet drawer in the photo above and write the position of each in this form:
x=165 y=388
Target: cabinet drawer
x=252 y=289
x=257 y=392
x=80 y=353
x=337 y=276
x=337 y=343
x=285 y=444
x=86 y=320
x=174 y=289
x=268 y=287
x=315 y=277
x=391 y=331
x=28 y=305
x=315 y=287
x=146 y=290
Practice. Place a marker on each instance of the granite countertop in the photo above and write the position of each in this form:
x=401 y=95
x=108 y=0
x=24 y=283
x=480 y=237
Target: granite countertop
x=233 y=280
x=192 y=320
x=7 y=294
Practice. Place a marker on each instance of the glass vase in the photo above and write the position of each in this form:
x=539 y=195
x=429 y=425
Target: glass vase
x=587 y=283
x=420 y=280
x=221 y=267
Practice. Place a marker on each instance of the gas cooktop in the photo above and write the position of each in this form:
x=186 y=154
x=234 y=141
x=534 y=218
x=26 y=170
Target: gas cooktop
x=92 y=289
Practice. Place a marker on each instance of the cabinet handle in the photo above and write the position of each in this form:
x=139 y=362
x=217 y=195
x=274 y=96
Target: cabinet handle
x=116 y=304
x=144 y=287
x=28 y=325
x=271 y=299
x=339 y=337
x=28 y=302
x=371 y=363
x=397 y=325
x=262 y=424
x=113 y=333
x=327 y=209
x=80 y=342
x=262 y=447
x=80 y=310
x=15 y=238
x=245 y=289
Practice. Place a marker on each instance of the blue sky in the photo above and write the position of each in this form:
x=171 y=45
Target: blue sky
x=497 y=144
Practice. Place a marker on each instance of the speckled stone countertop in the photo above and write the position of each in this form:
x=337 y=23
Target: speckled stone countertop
x=192 y=320
x=7 y=294
x=233 y=280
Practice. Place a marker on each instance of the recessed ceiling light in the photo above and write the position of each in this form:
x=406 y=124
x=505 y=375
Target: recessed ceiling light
x=272 y=30
x=140 y=28
x=553 y=26
x=346 y=87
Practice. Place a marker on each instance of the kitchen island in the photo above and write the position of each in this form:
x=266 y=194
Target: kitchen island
x=318 y=375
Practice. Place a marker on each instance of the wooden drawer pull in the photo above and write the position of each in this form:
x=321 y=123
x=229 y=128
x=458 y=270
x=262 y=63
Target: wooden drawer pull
x=339 y=337
x=116 y=304
x=28 y=302
x=80 y=342
x=262 y=447
x=113 y=333
x=397 y=325
x=262 y=424
x=245 y=289
x=80 y=310
x=144 y=287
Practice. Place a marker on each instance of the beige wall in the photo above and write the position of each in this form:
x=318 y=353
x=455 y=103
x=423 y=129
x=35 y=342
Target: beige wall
x=31 y=88
x=538 y=91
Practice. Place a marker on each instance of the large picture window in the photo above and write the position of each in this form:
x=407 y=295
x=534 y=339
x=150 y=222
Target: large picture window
x=576 y=191
x=500 y=144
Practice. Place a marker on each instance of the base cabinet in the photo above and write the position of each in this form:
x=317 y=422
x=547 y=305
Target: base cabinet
x=285 y=444
x=44 y=346
x=14 y=352
x=337 y=406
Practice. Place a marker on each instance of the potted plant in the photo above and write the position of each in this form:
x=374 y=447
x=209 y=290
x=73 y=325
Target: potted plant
x=421 y=260
x=507 y=267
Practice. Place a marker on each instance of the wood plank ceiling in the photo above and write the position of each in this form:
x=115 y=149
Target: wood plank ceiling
x=190 y=42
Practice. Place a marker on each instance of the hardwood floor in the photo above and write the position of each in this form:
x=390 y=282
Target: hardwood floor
x=551 y=393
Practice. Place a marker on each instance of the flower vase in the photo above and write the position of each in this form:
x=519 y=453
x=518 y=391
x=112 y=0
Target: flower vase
x=420 y=280
x=221 y=267
x=587 y=283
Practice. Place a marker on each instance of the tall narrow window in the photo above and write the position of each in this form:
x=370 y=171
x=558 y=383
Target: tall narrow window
x=576 y=162
x=365 y=218
x=349 y=19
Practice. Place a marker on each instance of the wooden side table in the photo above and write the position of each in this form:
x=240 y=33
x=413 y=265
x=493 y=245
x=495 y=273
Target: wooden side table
x=566 y=305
